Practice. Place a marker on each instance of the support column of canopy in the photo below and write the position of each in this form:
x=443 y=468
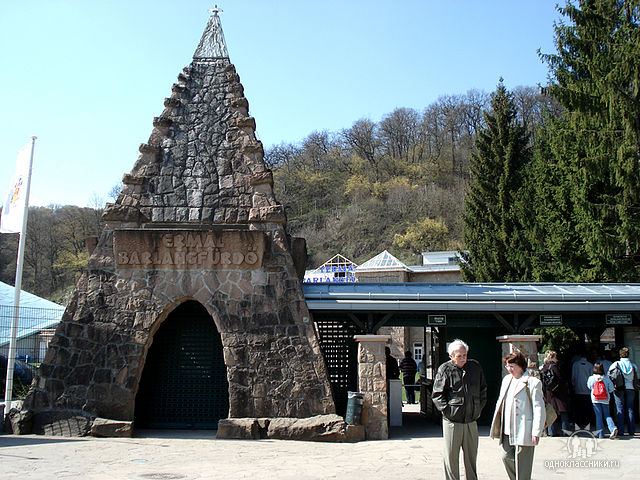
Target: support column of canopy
x=526 y=344
x=372 y=383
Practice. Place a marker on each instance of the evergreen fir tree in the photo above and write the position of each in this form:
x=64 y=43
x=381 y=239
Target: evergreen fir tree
x=590 y=184
x=556 y=250
x=493 y=232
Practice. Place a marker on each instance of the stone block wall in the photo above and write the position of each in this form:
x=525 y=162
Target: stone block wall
x=527 y=344
x=372 y=382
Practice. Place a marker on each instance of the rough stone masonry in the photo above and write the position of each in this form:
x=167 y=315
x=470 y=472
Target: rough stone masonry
x=196 y=220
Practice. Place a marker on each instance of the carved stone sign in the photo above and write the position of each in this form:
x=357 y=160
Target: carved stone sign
x=188 y=250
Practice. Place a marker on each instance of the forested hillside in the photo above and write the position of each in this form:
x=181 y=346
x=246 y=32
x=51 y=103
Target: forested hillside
x=55 y=250
x=397 y=184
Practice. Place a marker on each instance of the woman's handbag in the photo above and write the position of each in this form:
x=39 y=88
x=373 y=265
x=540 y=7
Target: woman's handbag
x=548 y=410
x=552 y=415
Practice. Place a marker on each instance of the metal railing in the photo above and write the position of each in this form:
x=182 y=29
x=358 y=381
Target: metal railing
x=36 y=327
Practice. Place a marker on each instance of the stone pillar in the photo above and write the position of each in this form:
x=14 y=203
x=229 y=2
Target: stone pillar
x=372 y=382
x=525 y=344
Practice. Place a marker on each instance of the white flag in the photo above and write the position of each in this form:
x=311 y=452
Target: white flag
x=14 y=204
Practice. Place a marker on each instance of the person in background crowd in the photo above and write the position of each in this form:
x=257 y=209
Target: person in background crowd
x=625 y=398
x=600 y=400
x=409 y=368
x=581 y=370
x=603 y=358
x=556 y=393
x=606 y=365
x=518 y=420
x=393 y=372
x=460 y=394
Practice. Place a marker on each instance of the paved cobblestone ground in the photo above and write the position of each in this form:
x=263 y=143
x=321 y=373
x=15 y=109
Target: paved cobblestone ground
x=412 y=453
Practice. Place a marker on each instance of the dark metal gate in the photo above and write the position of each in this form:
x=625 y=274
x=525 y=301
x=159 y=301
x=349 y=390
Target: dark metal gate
x=184 y=381
x=340 y=352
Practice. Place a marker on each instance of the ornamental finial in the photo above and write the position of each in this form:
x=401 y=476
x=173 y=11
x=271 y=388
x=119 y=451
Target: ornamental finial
x=212 y=44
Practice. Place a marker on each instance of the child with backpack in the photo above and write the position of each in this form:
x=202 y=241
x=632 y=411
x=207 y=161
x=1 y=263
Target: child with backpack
x=601 y=387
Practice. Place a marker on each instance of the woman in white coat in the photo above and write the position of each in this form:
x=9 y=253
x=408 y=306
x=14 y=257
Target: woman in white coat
x=518 y=420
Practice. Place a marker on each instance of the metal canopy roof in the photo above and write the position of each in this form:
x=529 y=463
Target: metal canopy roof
x=35 y=313
x=481 y=297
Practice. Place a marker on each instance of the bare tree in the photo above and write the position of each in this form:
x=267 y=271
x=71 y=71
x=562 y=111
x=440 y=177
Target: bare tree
x=115 y=192
x=363 y=140
x=281 y=156
x=533 y=106
x=451 y=109
x=316 y=150
x=474 y=104
x=399 y=132
x=433 y=127
x=41 y=250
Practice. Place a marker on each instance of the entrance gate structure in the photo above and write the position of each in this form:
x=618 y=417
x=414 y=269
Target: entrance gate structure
x=194 y=246
x=476 y=313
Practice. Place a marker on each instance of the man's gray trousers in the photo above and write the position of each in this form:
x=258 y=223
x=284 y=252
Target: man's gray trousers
x=456 y=436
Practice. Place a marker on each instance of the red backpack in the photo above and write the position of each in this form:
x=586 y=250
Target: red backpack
x=600 y=391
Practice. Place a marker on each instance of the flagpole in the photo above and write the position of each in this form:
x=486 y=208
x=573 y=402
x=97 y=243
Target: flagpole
x=11 y=356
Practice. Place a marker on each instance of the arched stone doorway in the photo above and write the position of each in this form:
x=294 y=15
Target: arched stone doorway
x=184 y=381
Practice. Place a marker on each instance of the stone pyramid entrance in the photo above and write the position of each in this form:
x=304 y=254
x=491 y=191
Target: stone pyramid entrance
x=195 y=232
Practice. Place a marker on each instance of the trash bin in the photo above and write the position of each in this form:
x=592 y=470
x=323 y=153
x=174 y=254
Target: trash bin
x=395 y=403
x=354 y=408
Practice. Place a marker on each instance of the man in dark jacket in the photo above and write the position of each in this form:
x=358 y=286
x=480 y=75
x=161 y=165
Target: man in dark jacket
x=460 y=393
x=393 y=372
x=409 y=368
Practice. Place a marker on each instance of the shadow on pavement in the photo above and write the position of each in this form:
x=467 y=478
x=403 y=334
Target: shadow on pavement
x=25 y=441
x=175 y=433
x=417 y=425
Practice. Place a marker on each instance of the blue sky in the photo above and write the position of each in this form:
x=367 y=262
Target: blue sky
x=87 y=77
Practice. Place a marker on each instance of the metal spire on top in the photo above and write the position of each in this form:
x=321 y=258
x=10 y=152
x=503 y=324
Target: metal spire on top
x=212 y=44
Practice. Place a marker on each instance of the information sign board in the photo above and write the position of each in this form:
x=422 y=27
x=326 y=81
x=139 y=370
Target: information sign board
x=437 y=319
x=550 y=320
